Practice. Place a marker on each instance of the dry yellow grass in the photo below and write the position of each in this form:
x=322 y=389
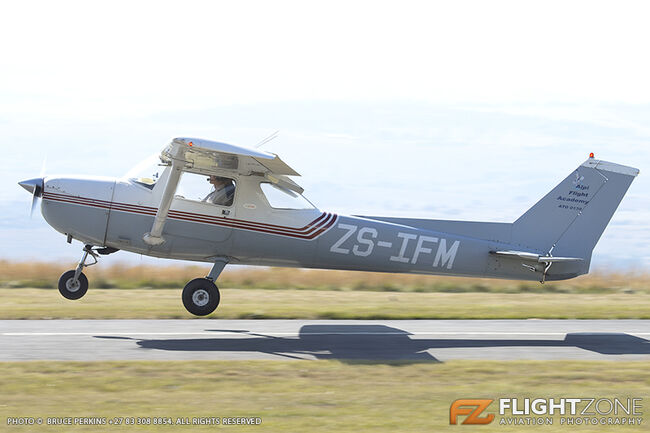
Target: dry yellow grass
x=17 y=274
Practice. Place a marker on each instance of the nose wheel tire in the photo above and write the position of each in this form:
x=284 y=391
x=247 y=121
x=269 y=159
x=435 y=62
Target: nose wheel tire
x=201 y=297
x=71 y=289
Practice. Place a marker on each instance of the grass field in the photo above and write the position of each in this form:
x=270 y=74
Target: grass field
x=24 y=303
x=27 y=291
x=321 y=396
x=309 y=396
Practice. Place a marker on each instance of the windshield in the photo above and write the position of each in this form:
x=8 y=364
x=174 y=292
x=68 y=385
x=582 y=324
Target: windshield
x=147 y=172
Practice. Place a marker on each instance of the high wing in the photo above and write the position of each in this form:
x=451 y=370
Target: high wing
x=213 y=157
x=206 y=155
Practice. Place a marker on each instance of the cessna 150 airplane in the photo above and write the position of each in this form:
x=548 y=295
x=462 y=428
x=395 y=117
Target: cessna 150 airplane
x=257 y=215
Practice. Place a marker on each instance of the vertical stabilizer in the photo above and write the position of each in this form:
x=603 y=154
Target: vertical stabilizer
x=570 y=219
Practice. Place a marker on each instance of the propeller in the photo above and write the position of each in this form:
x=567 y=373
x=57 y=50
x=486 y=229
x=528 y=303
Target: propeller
x=35 y=187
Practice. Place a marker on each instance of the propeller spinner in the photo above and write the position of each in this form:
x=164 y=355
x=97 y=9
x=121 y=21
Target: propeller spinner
x=34 y=186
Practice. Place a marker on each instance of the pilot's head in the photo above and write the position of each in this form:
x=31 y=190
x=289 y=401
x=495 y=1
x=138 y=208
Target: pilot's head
x=219 y=181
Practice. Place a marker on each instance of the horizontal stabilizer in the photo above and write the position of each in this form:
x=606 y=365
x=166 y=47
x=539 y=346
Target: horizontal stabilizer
x=535 y=257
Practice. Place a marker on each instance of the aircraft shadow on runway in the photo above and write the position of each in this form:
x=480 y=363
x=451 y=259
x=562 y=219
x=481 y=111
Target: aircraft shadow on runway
x=384 y=343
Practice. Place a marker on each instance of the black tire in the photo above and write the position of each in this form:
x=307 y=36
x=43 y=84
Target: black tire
x=201 y=297
x=73 y=291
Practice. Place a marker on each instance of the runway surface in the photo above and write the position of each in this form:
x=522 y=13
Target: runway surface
x=378 y=340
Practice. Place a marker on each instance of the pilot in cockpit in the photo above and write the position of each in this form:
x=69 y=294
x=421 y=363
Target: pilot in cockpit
x=223 y=193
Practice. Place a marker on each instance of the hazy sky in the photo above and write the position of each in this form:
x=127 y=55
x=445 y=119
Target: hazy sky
x=460 y=110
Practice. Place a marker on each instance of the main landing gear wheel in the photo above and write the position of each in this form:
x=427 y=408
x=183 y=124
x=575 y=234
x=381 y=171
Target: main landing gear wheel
x=201 y=297
x=71 y=288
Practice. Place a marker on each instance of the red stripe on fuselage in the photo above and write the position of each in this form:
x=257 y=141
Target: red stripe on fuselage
x=152 y=210
x=309 y=231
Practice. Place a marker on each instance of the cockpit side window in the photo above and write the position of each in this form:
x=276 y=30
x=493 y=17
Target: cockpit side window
x=215 y=190
x=282 y=198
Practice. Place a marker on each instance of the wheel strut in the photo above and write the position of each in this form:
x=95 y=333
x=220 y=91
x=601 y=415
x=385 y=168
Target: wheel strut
x=88 y=250
x=219 y=264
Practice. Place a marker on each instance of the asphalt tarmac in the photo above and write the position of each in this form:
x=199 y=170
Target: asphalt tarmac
x=376 y=340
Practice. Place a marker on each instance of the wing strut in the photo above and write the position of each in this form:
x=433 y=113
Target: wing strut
x=154 y=237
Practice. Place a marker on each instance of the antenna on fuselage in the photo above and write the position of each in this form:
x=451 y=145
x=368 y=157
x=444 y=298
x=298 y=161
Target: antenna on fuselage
x=267 y=139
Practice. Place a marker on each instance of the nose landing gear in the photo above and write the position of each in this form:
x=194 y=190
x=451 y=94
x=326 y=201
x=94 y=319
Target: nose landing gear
x=72 y=287
x=74 y=284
